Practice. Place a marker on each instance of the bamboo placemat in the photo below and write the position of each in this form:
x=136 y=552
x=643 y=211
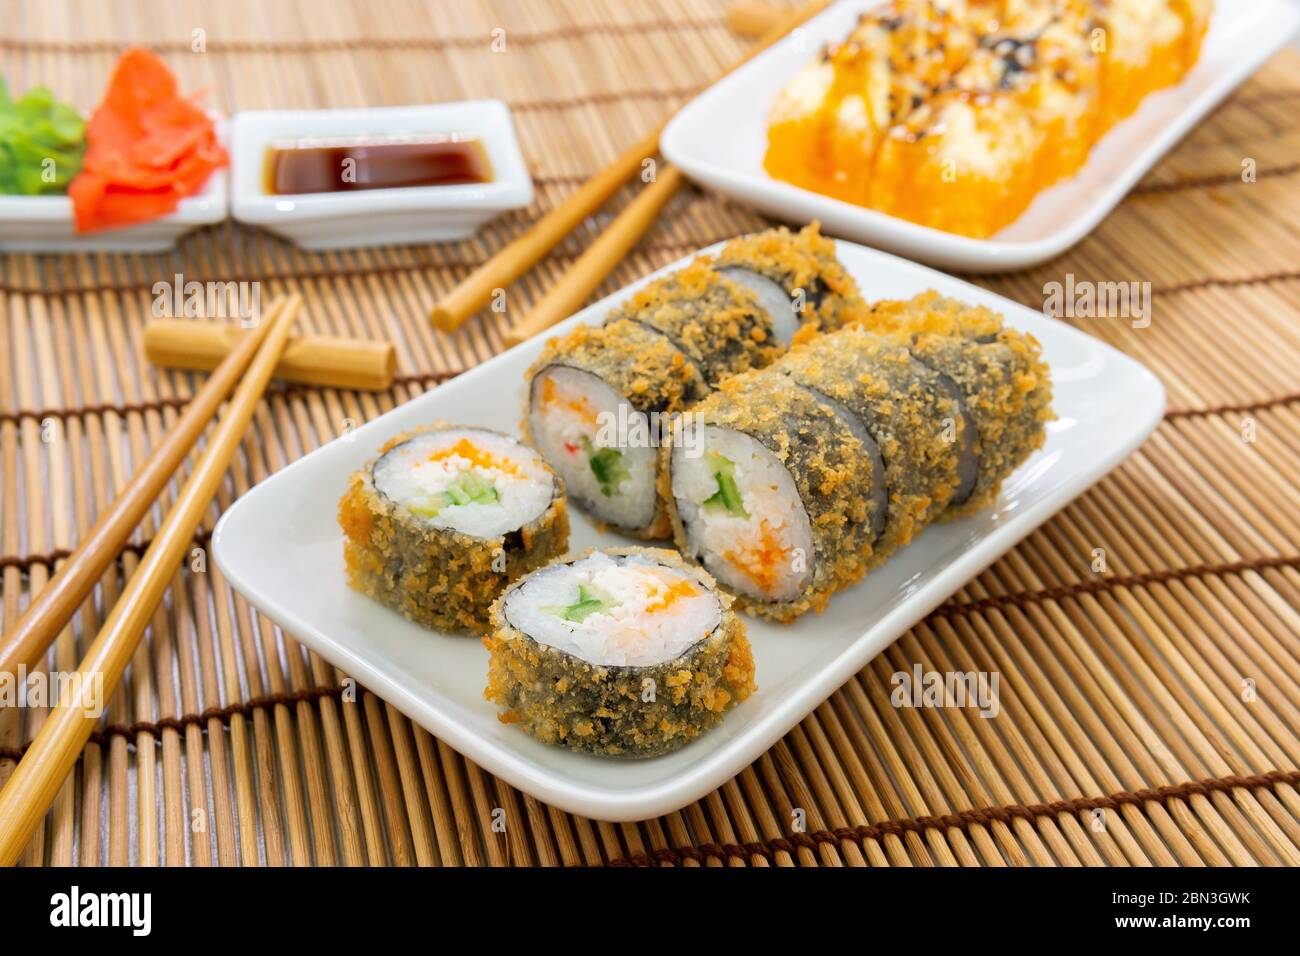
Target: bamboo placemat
x=1150 y=712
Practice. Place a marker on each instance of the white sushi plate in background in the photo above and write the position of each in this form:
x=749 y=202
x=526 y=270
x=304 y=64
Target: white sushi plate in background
x=720 y=137
x=281 y=547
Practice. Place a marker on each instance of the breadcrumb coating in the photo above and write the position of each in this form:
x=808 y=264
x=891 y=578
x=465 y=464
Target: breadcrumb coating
x=1000 y=370
x=900 y=402
x=716 y=322
x=803 y=260
x=620 y=711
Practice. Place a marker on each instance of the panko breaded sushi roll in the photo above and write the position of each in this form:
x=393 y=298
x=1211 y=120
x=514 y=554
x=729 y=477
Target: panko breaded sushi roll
x=778 y=495
x=444 y=518
x=910 y=415
x=1146 y=48
x=598 y=399
x=627 y=652
x=1005 y=387
x=826 y=124
x=716 y=322
x=796 y=276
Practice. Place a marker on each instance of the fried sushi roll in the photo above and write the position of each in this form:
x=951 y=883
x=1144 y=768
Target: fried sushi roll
x=796 y=276
x=625 y=652
x=777 y=495
x=598 y=400
x=716 y=322
x=1149 y=44
x=910 y=414
x=826 y=124
x=444 y=518
x=998 y=373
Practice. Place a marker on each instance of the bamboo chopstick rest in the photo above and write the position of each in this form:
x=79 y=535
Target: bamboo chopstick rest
x=41 y=771
x=50 y=610
x=330 y=361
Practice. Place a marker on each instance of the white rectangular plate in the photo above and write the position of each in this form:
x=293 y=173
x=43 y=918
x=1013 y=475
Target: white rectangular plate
x=280 y=546
x=719 y=139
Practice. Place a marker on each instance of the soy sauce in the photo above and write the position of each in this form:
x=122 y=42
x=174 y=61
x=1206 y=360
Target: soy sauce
x=320 y=165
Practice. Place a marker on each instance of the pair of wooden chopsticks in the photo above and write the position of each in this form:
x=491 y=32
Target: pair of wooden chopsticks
x=54 y=752
x=600 y=258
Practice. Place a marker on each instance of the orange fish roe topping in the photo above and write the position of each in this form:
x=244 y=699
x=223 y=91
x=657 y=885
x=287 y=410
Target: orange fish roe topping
x=483 y=459
x=665 y=597
x=551 y=396
x=759 y=563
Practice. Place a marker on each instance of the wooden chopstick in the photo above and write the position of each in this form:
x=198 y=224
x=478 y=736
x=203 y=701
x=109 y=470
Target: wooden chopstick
x=41 y=772
x=590 y=269
x=51 y=609
x=523 y=253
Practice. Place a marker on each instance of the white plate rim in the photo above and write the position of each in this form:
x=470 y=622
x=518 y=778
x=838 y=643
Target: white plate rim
x=716 y=768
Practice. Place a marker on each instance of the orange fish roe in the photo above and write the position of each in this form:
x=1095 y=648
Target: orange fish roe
x=759 y=563
x=579 y=406
x=957 y=115
x=470 y=452
x=666 y=597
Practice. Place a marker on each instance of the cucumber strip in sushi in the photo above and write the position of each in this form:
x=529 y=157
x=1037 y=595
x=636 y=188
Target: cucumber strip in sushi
x=444 y=518
x=627 y=652
x=778 y=496
x=909 y=414
x=597 y=401
x=796 y=276
x=716 y=322
x=1005 y=387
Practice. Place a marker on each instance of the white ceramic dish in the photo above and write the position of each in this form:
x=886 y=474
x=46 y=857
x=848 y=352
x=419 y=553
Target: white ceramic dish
x=46 y=224
x=379 y=216
x=720 y=137
x=280 y=546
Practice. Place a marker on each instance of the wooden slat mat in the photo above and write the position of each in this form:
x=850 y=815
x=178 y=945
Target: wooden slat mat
x=1149 y=712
